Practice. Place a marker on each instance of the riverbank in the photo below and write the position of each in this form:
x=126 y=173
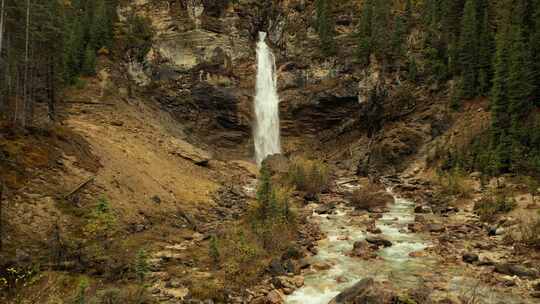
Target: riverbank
x=416 y=254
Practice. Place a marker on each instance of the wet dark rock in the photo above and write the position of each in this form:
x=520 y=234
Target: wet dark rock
x=517 y=270
x=379 y=241
x=325 y=209
x=485 y=262
x=156 y=199
x=470 y=257
x=422 y=209
x=362 y=249
x=304 y=264
x=436 y=228
x=375 y=230
x=365 y=291
x=276 y=268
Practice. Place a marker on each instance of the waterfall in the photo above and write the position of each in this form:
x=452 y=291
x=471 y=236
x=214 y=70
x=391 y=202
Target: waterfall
x=267 y=141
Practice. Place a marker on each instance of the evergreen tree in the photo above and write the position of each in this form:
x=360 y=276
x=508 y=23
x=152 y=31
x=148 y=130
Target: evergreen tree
x=398 y=36
x=101 y=26
x=468 y=46
x=485 y=54
x=380 y=36
x=413 y=70
x=325 y=27
x=214 y=250
x=535 y=50
x=499 y=104
x=520 y=85
x=364 y=33
x=89 y=64
x=265 y=193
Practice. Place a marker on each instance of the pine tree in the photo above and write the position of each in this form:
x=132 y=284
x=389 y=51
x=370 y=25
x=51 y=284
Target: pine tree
x=398 y=36
x=413 y=70
x=380 y=23
x=535 y=50
x=141 y=265
x=214 y=250
x=520 y=85
x=485 y=55
x=499 y=105
x=100 y=25
x=89 y=64
x=325 y=27
x=264 y=193
x=468 y=49
x=364 y=33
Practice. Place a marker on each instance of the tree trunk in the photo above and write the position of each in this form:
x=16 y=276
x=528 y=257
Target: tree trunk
x=2 y=25
x=51 y=90
x=1 y=209
x=25 y=86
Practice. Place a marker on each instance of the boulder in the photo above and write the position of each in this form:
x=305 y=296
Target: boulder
x=422 y=209
x=517 y=270
x=325 y=209
x=188 y=151
x=436 y=228
x=362 y=249
x=365 y=291
x=470 y=257
x=274 y=297
x=276 y=268
x=378 y=241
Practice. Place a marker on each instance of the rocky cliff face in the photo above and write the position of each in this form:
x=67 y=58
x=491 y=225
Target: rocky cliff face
x=202 y=68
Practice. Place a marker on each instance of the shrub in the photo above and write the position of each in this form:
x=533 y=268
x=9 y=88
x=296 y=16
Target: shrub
x=530 y=231
x=489 y=207
x=80 y=297
x=370 y=197
x=101 y=222
x=310 y=176
x=208 y=290
x=455 y=183
x=109 y=296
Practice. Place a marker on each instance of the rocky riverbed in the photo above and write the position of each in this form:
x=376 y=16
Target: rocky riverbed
x=411 y=255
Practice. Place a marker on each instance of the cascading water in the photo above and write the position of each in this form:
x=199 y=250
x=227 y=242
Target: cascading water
x=267 y=141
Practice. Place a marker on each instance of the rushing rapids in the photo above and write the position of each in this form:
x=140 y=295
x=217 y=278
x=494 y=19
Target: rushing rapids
x=266 y=132
x=395 y=264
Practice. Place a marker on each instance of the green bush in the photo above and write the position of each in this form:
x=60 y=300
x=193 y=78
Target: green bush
x=310 y=176
x=488 y=208
x=102 y=221
x=455 y=183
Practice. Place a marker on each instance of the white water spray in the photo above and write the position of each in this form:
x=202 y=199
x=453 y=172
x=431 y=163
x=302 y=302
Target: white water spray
x=267 y=141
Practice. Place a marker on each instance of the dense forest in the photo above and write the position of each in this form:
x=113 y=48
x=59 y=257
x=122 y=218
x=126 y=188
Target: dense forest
x=45 y=46
x=481 y=48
